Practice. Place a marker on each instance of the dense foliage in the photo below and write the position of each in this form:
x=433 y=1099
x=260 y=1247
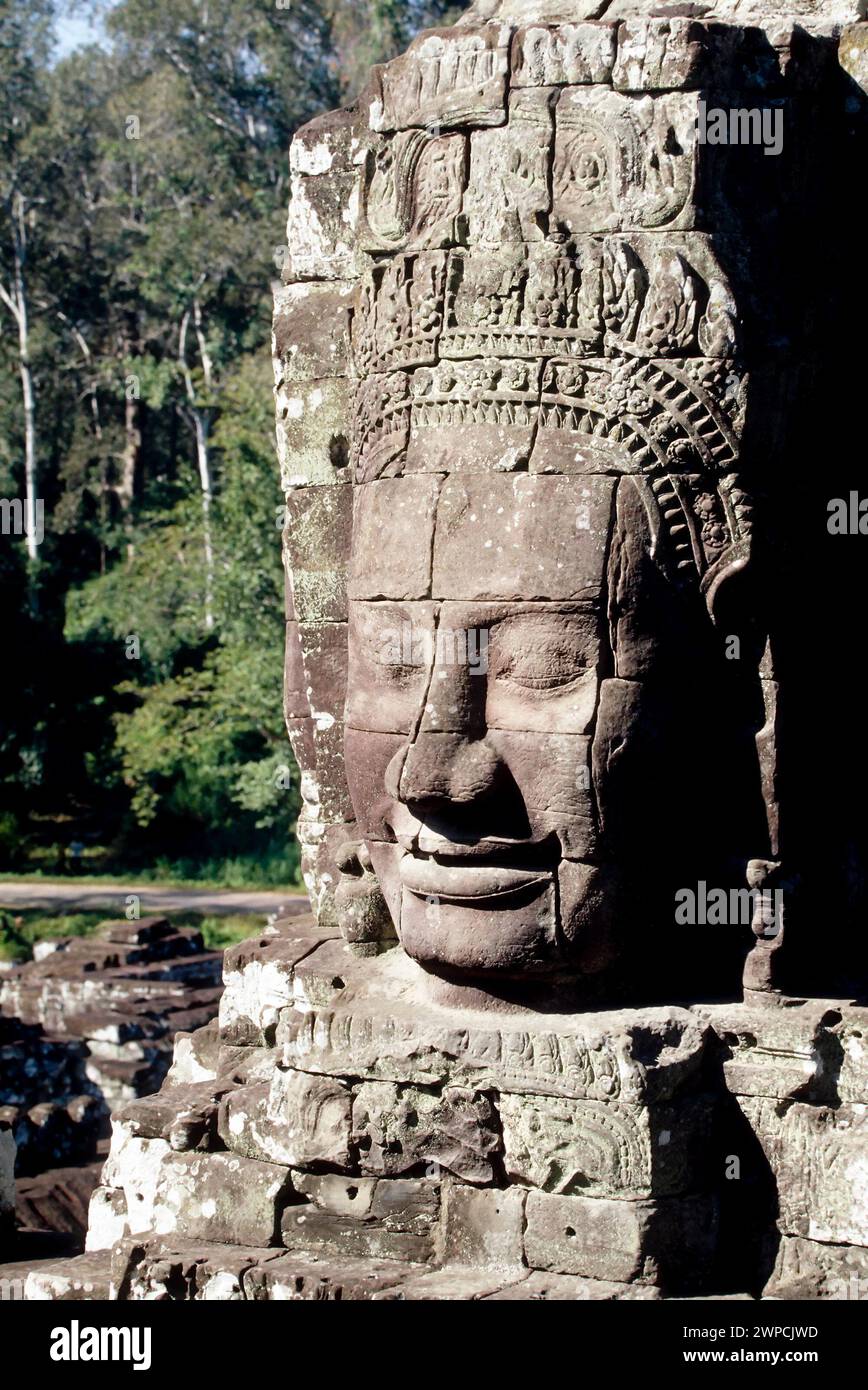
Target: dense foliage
x=143 y=184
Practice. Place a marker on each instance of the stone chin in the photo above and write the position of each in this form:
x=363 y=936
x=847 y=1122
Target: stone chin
x=492 y=921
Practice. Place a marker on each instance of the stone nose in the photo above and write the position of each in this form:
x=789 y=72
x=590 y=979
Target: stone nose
x=444 y=768
x=455 y=698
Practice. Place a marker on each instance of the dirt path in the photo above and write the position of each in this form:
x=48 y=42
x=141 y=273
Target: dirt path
x=112 y=898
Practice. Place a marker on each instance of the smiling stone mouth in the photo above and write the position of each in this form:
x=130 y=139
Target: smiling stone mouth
x=454 y=878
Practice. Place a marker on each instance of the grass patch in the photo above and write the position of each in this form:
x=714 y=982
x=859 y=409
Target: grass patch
x=96 y=865
x=145 y=879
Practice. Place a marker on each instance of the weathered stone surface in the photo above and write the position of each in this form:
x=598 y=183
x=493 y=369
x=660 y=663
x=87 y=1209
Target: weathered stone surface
x=483 y=1226
x=185 y=1116
x=107 y=1218
x=810 y=1050
x=258 y=976
x=448 y=78
x=509 y=168
x=316 y=542
x=324 y=182
x=166 y=1270
x=657 y=54
x=402 y=571
x=614 y=136
x=133 y=1168
x=297 y=1277
x=219 y=1197
x=563 y=55
x=809 y=1269
x=824 y=14
x=413 y=189
x=312 y=330
x=649 y=1242
x=854 y=53
x=322 y=843
x=194 y=1057
x=538 y=1287
x=393 y=1218
x=819 y=1156
x=399 y=1128
x=326 y=976
x=86 y=1278
x=449 y=1285
x=295 y=1119
x=844 y=1064
x=311 y=434
x=519 y=538
x=594 y=1148
x=643 y=1056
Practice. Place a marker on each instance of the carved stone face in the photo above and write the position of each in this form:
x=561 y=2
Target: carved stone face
x=540 y=401
x=504 y=607
x=472 y=712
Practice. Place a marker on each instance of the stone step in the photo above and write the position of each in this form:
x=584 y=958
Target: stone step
x=85 y=1277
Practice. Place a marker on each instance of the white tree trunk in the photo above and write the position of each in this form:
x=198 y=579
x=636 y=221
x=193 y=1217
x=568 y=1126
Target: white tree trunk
x=201 y=417
x=15 y=300
x=30 y=483
x=203 y=459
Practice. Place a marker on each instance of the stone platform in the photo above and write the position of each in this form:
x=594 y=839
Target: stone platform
x=339 y=1134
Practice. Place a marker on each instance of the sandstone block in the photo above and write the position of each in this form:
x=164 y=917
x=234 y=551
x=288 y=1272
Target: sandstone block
x=808 y=1269
x=595 y=1149
x=107 y=1218
x=297 y=1277
x=311 y=330
x=258 y=977
x=565 y=1288
x=819 y=1157
x=295 y=1119
x=657 y=1243
x=219 y=1197
x=483 y=1226
x=399 y=1128
x=87 y=1277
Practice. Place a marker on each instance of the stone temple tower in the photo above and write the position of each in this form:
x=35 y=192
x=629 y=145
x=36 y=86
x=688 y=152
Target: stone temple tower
x=549 y=351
